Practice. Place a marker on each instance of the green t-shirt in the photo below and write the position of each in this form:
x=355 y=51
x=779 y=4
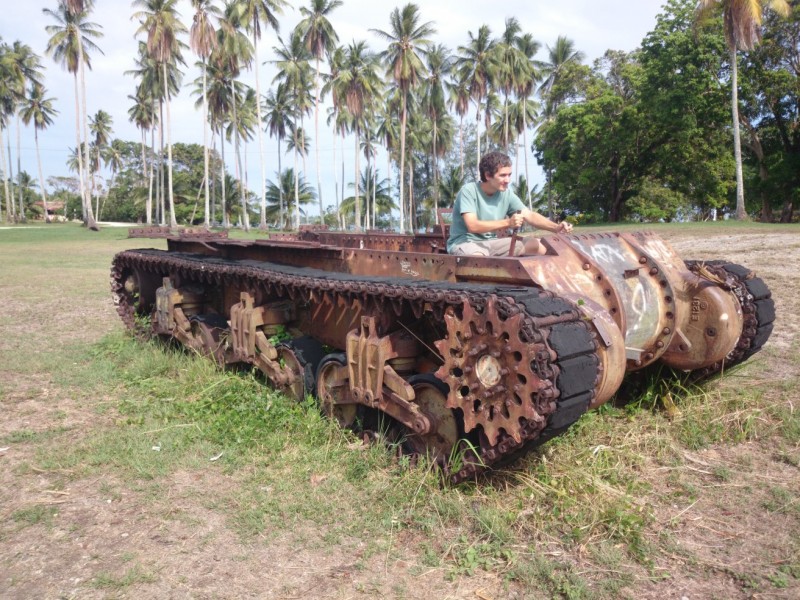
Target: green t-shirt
x=471 y=199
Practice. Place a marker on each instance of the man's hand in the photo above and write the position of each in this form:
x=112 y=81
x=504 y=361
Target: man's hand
x=564 y=227
x=516 y=220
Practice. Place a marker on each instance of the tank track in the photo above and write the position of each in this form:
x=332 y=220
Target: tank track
x=757 y=305
x=569 y=368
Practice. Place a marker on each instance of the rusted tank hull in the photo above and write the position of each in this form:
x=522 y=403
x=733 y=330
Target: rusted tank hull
x=474 y=359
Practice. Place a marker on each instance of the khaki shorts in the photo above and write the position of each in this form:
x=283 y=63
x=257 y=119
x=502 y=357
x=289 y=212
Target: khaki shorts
x=495 y=247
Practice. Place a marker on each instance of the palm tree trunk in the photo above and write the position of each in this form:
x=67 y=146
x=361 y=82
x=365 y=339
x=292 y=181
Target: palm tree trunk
x=737 y=142
x=316 y=145
x=22 y=218
x=280 y=187
x=358 y=167
x=41 y=176
x=161 y=211
x=207 y=214
x=296 y=187
x=402 y=163
x=335 y=176
x=151 y=178
x=79 y=150
x=461 y=143
x=262 y=225
x=172 y=220
x=89 y=213
x=525 y=149
x=341 y=216
x=225 y=222
x=478 y=138
x=12 y=202
x=5 y=180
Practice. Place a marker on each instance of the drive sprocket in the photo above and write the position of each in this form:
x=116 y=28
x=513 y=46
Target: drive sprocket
x=490 y=370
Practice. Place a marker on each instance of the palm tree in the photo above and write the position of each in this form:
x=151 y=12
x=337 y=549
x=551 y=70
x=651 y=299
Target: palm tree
x=71 y=38
x=203 y=40
x=294 y=72
x=256 y=12
x=159 y=20
x=528 y=46
x=438 y=64
x=39 y=109
x=23 y=67
x=319 y=38
x=514 y=66
x=478 y=65
x=220 y=104
x=282 y=189
x=336 y=117
x=742 y=25
x=235 y=51
x=382 y=199
x=458 y=100
x=279 y=115
x=560 y=56
x=100 y=126
x=407 y=41
x=359 y=84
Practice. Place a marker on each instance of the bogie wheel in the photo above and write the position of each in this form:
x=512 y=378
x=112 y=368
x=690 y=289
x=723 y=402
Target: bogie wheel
x=332 y=386
x=210 y=332
x=303 y=356
x=431 y=397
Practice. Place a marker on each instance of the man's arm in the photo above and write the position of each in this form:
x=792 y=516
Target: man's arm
x=541 y=222
x=475 y=225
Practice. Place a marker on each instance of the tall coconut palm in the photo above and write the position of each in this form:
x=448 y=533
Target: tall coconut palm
x=279 y=115
x=257 y=12
x=100 y=125
x=559 y=56
x=359 y=84
x=528 y=46
x=336 y=117
x=39 y=110
x=478 y=65
x=160 y=21
x=71 y=40
x=6 y=110
x=282 y=188
x=458 y=100
x=294 y=71
x=24 y=68
x=203 y=40
x=235 y=51
x=434 y=102
x=742 y=26
x=514 y=66
x=408 y=42
x=319 y=38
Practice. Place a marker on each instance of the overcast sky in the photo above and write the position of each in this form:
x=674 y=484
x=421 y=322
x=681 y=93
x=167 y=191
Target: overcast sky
x=594 y=25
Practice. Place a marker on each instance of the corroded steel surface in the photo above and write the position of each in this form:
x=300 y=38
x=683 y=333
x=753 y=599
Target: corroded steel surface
x=475 y=359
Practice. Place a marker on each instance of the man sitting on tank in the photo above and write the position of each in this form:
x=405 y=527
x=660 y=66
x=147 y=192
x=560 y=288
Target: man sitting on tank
x=484 y=208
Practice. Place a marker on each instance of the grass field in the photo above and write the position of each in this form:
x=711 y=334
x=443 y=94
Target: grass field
x=135 y=470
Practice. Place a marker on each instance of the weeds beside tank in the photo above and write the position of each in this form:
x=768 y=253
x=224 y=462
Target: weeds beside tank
x=471 y=361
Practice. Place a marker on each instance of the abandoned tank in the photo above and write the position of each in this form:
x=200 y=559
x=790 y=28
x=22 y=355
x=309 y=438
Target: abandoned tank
x=473 y=360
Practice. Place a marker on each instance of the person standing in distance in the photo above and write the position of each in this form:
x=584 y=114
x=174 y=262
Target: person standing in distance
x=481 y=209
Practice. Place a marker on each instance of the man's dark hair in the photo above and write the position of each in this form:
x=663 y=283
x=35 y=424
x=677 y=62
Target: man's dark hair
x=491 y=163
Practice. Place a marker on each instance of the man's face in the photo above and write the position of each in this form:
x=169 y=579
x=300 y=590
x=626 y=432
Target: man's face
x=499 y=181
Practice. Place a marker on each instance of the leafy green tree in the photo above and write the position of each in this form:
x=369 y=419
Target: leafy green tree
x=770 y=114
x=742 y=27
